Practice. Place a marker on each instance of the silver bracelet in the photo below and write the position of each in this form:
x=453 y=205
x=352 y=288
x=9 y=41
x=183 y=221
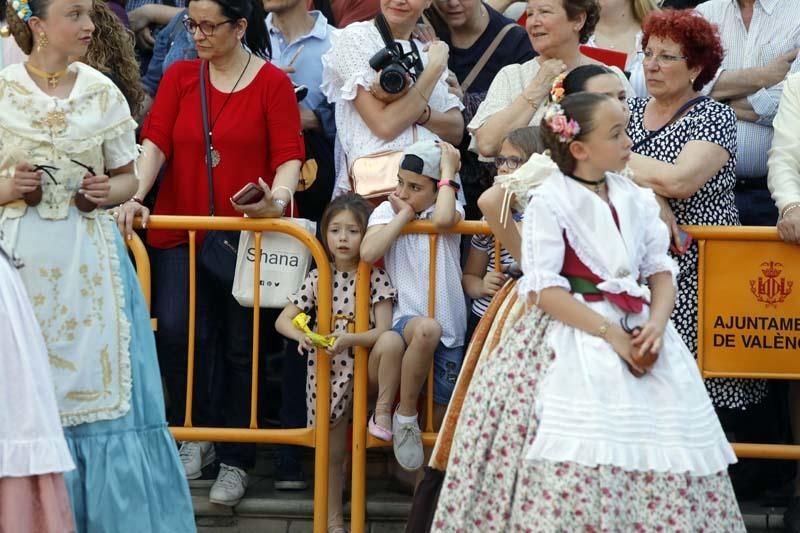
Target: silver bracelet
x=280 y=203
x=789 y=210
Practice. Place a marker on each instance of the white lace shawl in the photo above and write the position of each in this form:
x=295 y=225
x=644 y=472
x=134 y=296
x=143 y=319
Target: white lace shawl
x=623 y=258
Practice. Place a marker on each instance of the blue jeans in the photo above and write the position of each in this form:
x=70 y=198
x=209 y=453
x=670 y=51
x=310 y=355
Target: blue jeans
x=446 y=364
x=223 y=347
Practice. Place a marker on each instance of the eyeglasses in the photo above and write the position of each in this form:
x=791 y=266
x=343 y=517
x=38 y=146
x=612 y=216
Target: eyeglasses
x=511 y=162
x=662 y=60
x=205 y=27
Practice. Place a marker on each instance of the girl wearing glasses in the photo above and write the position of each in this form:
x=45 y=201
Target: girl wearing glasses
x=480 y=278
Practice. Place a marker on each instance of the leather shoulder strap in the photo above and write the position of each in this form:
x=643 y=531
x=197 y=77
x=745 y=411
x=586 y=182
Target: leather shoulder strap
x=487 y=54
x=207 y=136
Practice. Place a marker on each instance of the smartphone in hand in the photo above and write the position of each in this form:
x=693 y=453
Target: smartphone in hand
x=249 y=194
x=683 y=244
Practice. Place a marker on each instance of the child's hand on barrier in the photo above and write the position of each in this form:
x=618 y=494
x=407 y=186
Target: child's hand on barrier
x=305 y=345
x=343 y=343
x=492 y=282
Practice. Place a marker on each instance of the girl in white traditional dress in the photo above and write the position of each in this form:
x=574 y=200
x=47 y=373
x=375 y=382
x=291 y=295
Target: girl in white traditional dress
x=33 y=453
x=67 y=128
x=592 y=415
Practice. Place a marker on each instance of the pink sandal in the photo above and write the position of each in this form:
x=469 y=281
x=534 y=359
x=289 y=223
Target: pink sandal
x=379 y=432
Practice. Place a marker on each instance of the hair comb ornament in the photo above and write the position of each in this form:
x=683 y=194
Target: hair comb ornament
x=557 y=121
x=557 y=90
x=23 y=9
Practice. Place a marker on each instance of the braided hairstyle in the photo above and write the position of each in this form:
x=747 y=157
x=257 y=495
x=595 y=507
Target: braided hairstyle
x=581 y=108
x=19 y=29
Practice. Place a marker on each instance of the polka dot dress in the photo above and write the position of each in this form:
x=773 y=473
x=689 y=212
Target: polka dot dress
x=344 y=284
x=714 y=205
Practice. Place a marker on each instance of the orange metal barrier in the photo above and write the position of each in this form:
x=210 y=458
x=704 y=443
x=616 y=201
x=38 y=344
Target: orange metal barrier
x=720 y=248
x=312 y=437
x=748 y=312
x=773 y=268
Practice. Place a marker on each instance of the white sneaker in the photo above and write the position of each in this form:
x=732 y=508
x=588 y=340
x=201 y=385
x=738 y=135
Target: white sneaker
x=230 y=486
x=407 y=443
x=195 y=456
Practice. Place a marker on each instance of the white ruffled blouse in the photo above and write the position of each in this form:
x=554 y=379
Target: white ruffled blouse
x=345 y=68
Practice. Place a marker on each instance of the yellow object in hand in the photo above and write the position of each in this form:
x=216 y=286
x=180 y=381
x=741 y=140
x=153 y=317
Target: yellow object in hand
x=320 y=341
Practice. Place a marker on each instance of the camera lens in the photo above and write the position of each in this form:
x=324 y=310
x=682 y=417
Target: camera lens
x=393 y=79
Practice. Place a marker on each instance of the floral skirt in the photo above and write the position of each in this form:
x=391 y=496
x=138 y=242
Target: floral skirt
x=489 y=486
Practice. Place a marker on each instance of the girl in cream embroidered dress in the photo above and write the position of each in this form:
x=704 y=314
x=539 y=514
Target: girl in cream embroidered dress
x=72 y=275
x=88 y=302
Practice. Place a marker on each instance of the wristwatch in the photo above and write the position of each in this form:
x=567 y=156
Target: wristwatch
x=448 y=183
x=280 y=203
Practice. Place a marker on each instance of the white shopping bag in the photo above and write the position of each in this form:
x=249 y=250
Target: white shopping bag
x=285 y=262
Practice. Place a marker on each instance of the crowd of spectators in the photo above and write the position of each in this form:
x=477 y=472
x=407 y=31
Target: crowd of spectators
x=713 y=97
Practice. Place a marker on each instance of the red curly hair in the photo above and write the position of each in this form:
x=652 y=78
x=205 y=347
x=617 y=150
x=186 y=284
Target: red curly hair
x=699 y=39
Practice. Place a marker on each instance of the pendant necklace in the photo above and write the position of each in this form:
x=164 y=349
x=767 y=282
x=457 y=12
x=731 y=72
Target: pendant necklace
x=593 y=185
x=52 y=77
x=215 y=156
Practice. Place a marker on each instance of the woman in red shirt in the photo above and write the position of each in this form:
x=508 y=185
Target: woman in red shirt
x=256 y=136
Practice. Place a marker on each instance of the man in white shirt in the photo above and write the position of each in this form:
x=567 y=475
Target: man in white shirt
x=784 y=183
x=761 y=39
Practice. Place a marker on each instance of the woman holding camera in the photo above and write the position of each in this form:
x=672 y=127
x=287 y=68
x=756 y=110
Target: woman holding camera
x=253 y=124
x=369 y=118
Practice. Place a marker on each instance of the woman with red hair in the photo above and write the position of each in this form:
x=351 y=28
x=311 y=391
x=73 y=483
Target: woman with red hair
x=685 y=150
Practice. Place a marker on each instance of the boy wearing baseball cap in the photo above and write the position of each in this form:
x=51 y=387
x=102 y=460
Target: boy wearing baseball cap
x=427 y=190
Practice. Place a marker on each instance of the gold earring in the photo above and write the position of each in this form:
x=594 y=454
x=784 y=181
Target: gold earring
x=5 y=33
x=43 y=42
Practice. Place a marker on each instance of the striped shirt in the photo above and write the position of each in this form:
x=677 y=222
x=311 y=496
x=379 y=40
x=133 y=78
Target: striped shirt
x=774 y=30
x=485 y=244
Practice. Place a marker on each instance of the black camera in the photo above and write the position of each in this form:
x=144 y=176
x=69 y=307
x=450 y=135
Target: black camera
x=394 y=66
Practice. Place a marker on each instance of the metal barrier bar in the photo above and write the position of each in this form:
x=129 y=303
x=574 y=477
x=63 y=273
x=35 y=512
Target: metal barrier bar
x=256 y=330
x=192 y=325
x=358 y=487
x=317 y=437
x=432 y=242
x=314 y=437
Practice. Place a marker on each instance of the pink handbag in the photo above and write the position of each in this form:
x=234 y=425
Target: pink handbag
x=375 y=175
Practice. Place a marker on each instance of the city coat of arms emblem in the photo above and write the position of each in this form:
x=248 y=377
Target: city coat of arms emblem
x=771 y=289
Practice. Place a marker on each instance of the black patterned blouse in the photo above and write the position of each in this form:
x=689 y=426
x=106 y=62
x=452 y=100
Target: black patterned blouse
x=712 y=205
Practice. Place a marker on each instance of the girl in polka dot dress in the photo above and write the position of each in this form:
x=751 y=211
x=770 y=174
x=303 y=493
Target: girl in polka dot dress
x=343 y=225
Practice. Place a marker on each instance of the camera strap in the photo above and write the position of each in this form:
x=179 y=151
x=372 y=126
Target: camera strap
x=386 y=34
x=389 y=42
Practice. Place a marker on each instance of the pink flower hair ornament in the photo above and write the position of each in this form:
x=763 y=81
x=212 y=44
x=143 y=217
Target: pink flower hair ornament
x=566 y=128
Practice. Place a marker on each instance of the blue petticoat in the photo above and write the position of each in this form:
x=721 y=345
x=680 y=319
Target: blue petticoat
x=129 y=477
